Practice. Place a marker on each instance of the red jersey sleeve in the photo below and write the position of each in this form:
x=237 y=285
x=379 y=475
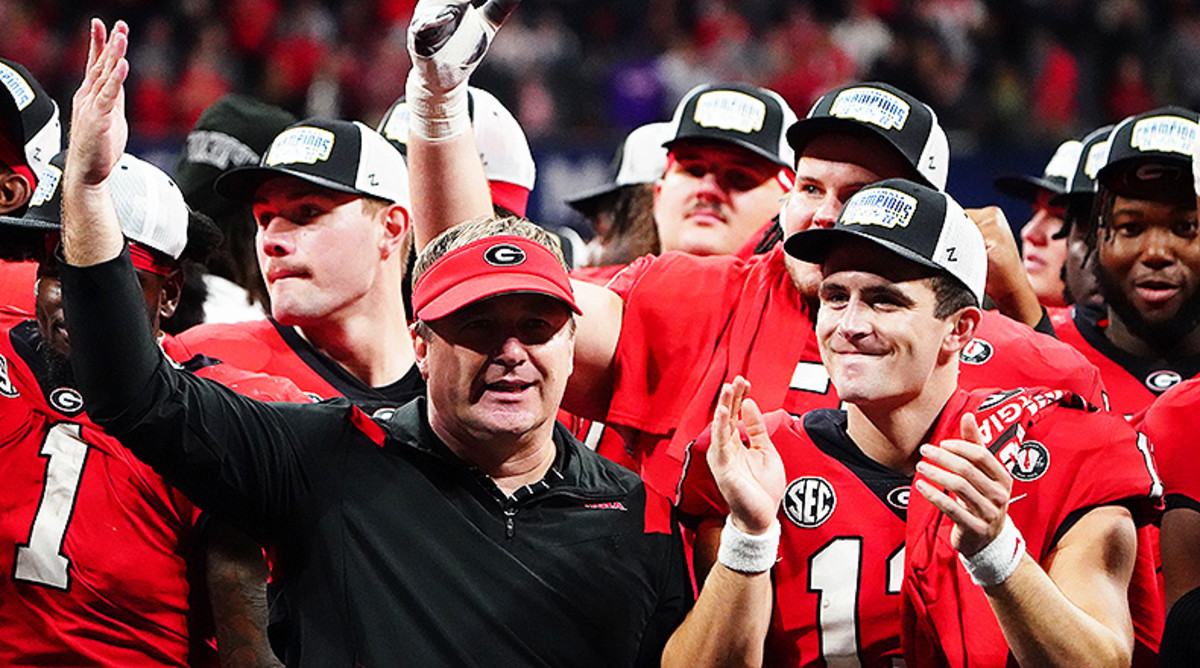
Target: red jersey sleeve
x=1169 y=424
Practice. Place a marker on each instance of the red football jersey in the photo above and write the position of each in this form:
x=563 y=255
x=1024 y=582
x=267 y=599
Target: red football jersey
x=267 y=347
x=693 y=323
x=841 y=553
x=1132 y=382
x=97 y=571
x=1170 y=423
x=16 y=286
x=1063 y=460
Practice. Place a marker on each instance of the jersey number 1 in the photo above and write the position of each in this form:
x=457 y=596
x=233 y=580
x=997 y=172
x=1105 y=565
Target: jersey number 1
x=835 y=574
x=41 y=561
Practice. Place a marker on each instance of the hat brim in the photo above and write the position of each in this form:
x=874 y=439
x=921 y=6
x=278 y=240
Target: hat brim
x=242 y=183
x=725 y=139
x=805 y=130
x=1026 y=188
x=26 y=223
x=815 y=245
x=587 y=201
x=485 y=286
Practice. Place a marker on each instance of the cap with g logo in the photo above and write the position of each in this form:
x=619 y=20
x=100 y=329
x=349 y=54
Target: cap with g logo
x=486 y=268
x=1155 y=146
x=747 y=116
x=911 y=220
x=907 y=124
x=345 y=156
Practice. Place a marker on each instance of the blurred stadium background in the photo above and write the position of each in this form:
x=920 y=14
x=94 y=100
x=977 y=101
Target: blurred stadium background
x=1009 y=79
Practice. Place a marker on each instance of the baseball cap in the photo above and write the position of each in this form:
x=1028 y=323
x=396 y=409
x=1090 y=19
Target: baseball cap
x=150 y=207
x=503 y=148
x=640 y=159
x=232 y=132
x=914 y=221
x=30 y=118
x=907 y=124
x=345 y=156
x=1054 y=176
x=489 y=267
x=743 y=115
x=1154 y=146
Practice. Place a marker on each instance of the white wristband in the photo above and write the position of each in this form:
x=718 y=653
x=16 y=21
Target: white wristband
x=994 y=563
x=437 y=116
x=744 y=553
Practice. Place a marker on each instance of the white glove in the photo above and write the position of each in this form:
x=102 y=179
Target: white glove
x=446 y=41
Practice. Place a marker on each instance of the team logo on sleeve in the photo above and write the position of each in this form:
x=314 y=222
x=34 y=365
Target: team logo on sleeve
x=1029 y=462
x=7 y=389
x=809 y=501
x=1162 y=380
x=977 y=351
x=66 y=400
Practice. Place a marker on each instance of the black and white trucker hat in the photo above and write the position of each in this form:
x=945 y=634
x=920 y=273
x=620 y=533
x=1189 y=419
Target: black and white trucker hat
x=904 y=122
x=750 y=117
x=346 y=156
x=640 y=159
x=1054 y=178
x=914 y=221
x=29 y=116
x=1155 y=146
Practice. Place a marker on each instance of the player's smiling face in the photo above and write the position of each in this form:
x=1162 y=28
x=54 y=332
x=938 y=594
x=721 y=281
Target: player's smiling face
x=830 y=169
x=713 y=198
x=879 y=338
x=498 y=367
x=319 y=250
x=1149 y=267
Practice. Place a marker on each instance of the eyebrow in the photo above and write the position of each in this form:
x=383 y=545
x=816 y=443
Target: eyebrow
x=889 y=291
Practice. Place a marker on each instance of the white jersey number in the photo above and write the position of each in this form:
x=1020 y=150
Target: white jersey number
x=41 y=561
x=834 y=573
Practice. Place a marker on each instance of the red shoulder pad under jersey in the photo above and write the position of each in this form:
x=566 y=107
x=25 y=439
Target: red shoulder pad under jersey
x=1064 y=459
x=1170 y=424
x=17 y=281
x=256 y=346
x=1007 y=353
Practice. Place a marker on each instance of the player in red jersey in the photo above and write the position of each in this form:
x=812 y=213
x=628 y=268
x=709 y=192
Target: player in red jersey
x=1170 y=425
x=104 y=548
x=901 y=277
x=1146 y=336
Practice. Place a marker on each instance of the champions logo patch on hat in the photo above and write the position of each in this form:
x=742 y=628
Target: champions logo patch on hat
x=730 y=110
x=305 y=145
x=871 y=105
x=47 y=185
x=22 y=93
x=1168 y=134
x=880 y=206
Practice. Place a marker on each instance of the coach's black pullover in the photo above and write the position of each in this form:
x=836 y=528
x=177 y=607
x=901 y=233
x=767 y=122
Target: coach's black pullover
x=400 y=554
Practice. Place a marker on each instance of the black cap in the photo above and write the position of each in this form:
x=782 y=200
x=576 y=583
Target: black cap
x=1054 y=176
x=912 y=220
x=345 y=156
x=747 y=116
x=29 y=115
x=1151 y=147
x=232 y=132
x=904 y=122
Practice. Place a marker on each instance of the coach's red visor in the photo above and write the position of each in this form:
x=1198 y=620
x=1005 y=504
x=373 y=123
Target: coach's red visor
x=488 y=267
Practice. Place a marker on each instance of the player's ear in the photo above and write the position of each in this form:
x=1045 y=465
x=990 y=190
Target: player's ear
x=397 y=230
x=964 y=324
x=170 y=292
x=15 y=191
x=420 y=348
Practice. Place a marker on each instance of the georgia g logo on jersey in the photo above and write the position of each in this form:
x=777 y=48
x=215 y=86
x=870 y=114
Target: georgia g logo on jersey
x=1162 y=380
x=809 y=501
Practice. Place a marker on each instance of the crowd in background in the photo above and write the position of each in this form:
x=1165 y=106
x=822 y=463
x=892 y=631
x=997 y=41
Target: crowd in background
x=1027 y=72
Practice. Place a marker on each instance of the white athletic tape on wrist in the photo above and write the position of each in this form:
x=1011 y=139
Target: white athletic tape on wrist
x=744 y=553
x=437 y=116
x=994 y=563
